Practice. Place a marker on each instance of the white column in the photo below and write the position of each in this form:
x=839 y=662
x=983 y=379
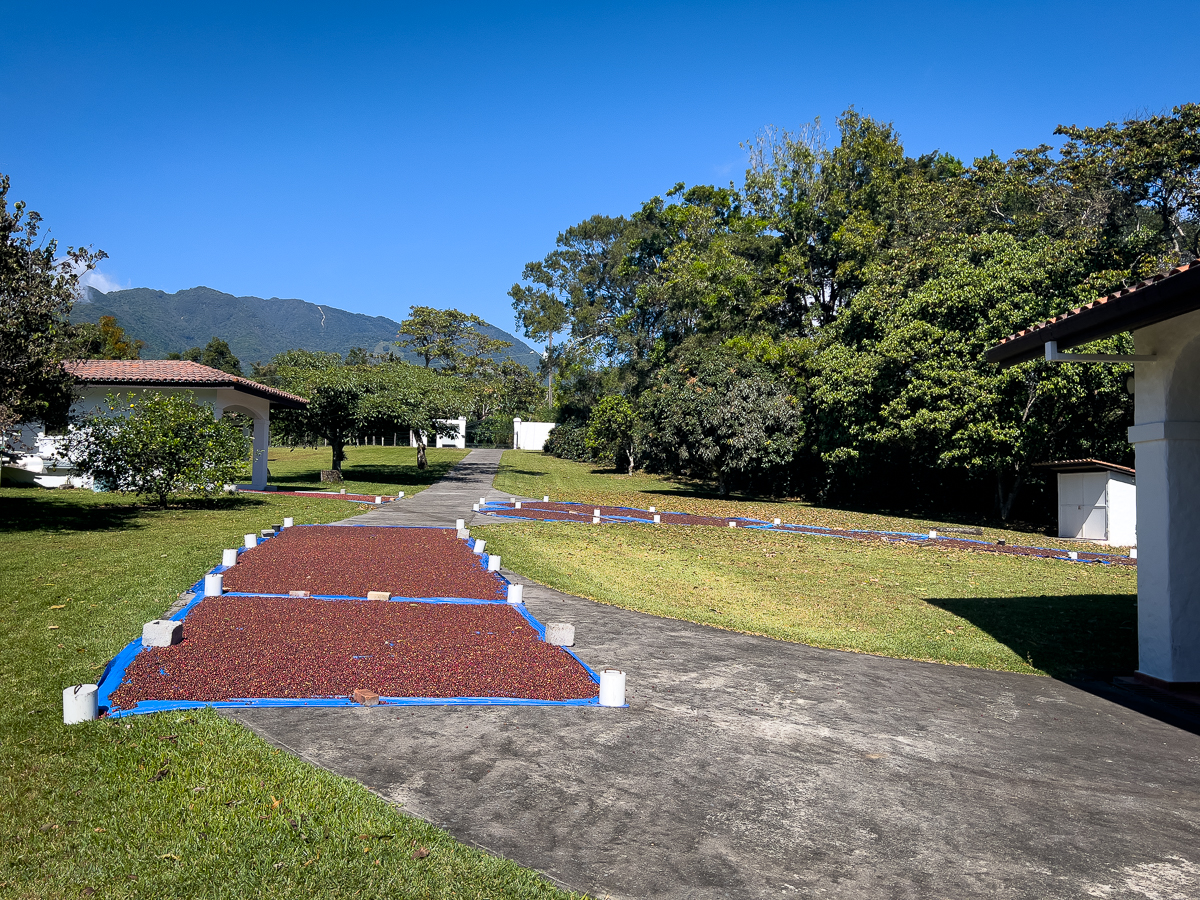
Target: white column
x=262 y=431
x=516 y=434
x=1167 y=442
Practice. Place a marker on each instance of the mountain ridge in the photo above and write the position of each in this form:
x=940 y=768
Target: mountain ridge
x=255 y=328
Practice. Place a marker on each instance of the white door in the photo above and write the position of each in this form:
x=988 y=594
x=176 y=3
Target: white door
x=1082 y=505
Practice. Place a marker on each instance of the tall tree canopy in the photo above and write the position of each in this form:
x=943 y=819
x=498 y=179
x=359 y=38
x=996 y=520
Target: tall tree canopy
x=865 y=284
x=449 y=338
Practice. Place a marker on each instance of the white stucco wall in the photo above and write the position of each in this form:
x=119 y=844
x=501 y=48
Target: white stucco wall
x=1122 y=510
x=530 y=435
x=1166 y=435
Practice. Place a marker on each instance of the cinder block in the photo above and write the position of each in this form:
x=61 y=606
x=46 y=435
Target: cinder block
x=560 y=634
x=299 y=594
x=463 y=534
x=366 y=698
x=162 y=633
x=267 y=532
x=378 y=595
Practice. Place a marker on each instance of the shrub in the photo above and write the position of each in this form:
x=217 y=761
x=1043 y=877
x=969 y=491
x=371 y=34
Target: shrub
x=569 y=441
x=158 y=446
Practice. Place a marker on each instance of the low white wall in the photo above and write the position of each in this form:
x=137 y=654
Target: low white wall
x=530 y=435
x=1122 y=510
x=460 y=442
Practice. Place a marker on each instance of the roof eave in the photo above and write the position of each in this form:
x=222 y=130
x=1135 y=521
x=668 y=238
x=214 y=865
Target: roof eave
x=277 y=402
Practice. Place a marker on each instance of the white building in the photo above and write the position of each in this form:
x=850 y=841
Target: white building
x=1097 y=501
x=1163 y=313
x=99 y=377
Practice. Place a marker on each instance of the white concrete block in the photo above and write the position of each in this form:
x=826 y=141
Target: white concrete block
x=462 y=534
x=288 y=522
x=378 y=595
x=733 y=524
x=777 y=522
x=478 y=548
x=1072 y=554
x=1133 y=552
x=483 y=501
x=933 y=534
x=229 y=557
x=560 y=634
x=546 y=499
x=80 y=703
x=378 y=501
x=652 y=509
x=251 y=541
x=460 y=524
x=657 y=519
x=162 y=633
x=595 y=520
x=595 y=512
x=517 y=505
x=516 y=593
x=400 y=496
x=474 y=507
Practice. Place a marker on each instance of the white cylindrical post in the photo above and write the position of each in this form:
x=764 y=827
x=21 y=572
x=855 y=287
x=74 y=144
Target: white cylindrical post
x=777 y=522
x=378 y=501
x=229 y=557
x=560 y=634
x=1072 y=554
x=595 y=520
x=80 y=703
x=479 y=545
x=652 y=509
x=546 y=499
x=657 y=519
x=460 y=524
x=288 y=522
x=400 y=495
x=933 y=534
x=474 y=507
x=733 y=524
x=612 y=687
x=342 y=491
x=1133 y=552
x=515 y=592
x=595 y=512
x=493 y=562
x=517 y=505
x=251 y=541
x=483 y=501
x=213 y=585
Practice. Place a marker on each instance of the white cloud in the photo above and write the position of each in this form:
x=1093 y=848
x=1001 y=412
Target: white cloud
x=101 y=282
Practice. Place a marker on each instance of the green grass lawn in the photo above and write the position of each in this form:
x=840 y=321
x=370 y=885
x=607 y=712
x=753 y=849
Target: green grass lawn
x=530 y=474
x=180 y=804
x=366 y=470
x=1017 y=614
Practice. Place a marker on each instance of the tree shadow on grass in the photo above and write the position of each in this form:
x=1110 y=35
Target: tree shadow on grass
x=401 y=475
x=60 y=511
x=1065 y=636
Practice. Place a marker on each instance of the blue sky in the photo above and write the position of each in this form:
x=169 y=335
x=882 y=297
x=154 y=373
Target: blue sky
x=371 y=157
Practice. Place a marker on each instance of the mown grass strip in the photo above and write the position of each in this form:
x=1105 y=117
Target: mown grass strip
x=1016 y=614
x=366 y=470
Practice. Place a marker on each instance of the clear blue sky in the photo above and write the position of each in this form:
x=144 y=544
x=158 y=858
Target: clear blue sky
x=376 y=156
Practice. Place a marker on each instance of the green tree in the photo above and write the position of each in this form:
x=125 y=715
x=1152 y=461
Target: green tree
x=105 y=340
x=158 y=446
x=345 y=401
x=615 y=432
x=215 y=354
x=448 y=337
x=37 y=290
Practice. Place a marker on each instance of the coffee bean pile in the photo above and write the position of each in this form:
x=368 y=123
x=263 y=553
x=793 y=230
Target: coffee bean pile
x=349 y=561
x=238 y=647
x=615 y=515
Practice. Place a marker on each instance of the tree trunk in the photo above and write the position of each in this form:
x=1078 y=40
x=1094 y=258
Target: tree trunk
x=421 y=461
x=1005 y=499
x=338 y=455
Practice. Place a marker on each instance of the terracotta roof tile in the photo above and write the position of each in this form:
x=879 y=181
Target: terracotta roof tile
x=180 y=372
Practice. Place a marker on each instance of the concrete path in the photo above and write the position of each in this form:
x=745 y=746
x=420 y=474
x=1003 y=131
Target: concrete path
x=748 y=767
x=445 y=500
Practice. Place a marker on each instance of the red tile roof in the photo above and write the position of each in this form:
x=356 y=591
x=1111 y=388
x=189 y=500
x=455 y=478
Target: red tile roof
x=174 y=373
x=1154 y=300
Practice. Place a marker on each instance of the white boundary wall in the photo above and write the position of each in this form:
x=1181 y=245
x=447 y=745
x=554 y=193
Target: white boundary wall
x=530 y=435
x=460 y=442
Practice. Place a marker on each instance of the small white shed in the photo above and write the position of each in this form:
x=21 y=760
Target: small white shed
x=531 y=435
x=1097 y=501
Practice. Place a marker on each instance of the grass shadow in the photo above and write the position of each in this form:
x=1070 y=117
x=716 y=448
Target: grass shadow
x=375 y=473
x=1065 y=636
x=38 y=509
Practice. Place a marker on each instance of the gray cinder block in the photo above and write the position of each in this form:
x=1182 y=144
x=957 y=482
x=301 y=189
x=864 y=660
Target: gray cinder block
x=162 y=633
x=560 y=633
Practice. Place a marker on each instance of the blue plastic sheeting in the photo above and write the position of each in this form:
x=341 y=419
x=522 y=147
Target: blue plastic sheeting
x=497 y=509
x=114 y=672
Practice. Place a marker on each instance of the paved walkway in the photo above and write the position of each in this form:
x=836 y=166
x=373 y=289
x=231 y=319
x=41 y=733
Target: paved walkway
x=748 y=767
x=447 y=499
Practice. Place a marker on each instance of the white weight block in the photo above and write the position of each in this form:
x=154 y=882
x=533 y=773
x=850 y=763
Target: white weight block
x=612 y=687
x=460 y=524
x=546 y=499
x=214 y=585
x=516 y=593
x=229 y=557
x=162 y=633
x=933 y=534
x=400 y=496
x=517 y=505
x=462 y=534
x=657 y=519
x=251 y=541
x=288 y=522
x=474 y=507
x=777 y=522
x=80 y=703
x=478 y=548
x=595 y=520
x=652 y=509
x=493 y=562
x=1133 y=552
x=560 y=634
x=378 y=501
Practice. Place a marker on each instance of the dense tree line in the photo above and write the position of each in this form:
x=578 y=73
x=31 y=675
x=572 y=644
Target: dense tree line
x=819 y=330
